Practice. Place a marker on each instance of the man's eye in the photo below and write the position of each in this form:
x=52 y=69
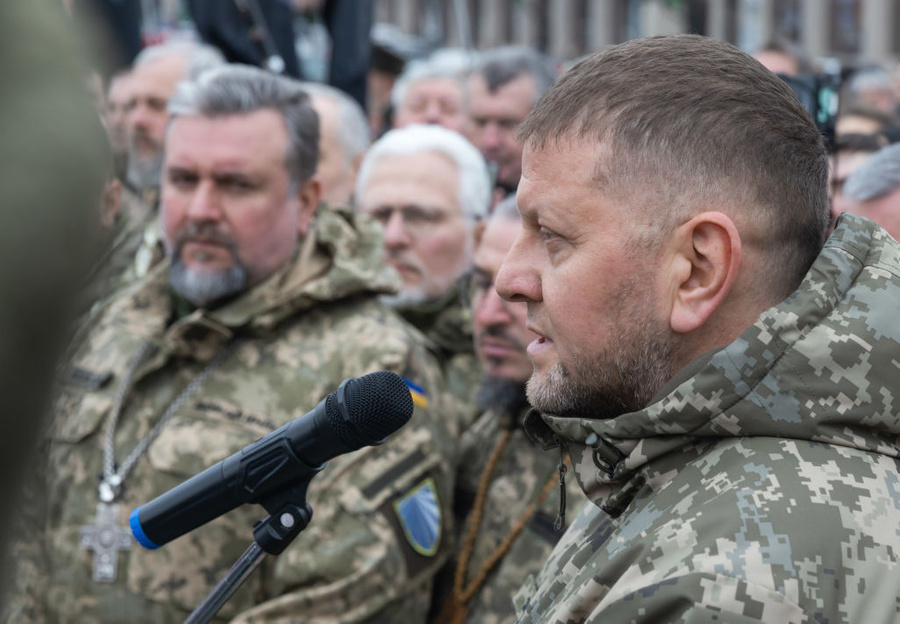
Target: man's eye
x=414 y=216
x=481 y=283
x=182 y=180
x=381 y=215
x=235 y=185
x=548 y=235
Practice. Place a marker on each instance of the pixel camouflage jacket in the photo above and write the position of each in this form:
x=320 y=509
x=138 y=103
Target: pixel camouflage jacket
x=762 y=485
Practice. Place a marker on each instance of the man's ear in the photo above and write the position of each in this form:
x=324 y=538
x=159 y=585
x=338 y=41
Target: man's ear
x=308 y=196
x=706 y=264
x=477 y=233
x=356 y=164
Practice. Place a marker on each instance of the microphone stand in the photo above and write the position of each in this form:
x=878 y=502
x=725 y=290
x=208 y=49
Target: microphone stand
x=271 y=536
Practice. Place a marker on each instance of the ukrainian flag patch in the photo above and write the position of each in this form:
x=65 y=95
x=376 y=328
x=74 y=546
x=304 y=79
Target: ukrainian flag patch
x=420 y=515
x=418 y=393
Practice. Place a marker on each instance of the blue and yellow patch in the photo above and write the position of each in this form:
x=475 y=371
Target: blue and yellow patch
x=418 y=393
x=419 y=512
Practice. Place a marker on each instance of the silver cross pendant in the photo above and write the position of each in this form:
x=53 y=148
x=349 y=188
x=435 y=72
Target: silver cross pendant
x=106 y=539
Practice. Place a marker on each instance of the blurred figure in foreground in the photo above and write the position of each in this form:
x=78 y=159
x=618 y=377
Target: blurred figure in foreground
x=52 y=165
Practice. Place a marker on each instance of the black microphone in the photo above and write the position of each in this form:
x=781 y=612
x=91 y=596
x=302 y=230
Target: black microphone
x=362 y=412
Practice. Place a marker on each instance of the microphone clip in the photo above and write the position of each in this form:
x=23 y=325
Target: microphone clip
x=289 y=514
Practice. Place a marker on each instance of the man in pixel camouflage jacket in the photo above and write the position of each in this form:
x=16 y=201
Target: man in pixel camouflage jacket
x=273 y=306
x=724 y=384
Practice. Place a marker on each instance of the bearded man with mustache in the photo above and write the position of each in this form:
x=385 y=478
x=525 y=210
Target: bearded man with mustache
x=265 y=303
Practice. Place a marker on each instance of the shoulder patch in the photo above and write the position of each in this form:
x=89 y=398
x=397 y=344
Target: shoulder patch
x=419 y=512
x=418 y=393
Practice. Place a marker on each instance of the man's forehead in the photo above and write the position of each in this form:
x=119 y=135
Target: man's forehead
x=575 y=159
x=495 y=243
x=238 y=138
x=521 y=90
x=412 y=166
x=160 y=74
x=441 y=85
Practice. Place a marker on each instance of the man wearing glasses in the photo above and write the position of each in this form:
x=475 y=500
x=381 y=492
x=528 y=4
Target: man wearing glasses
x=428 y=187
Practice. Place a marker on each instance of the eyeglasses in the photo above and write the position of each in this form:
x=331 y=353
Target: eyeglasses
x=416 y=219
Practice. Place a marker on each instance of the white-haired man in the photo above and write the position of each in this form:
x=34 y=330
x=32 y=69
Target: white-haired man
x=156 y=72
x=428 y=187
x=430 y=92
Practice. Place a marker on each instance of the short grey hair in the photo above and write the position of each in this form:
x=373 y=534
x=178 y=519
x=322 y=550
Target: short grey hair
x=353 y=125
x=474 y=182
x=427 y=69
x=500 y=66
x=878 y=176
x=198 y=56
x=241 y=89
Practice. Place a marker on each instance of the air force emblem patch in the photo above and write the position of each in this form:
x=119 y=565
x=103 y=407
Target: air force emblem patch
x=419 y=512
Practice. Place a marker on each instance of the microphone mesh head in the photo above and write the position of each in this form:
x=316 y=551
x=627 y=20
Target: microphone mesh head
x=377 y=405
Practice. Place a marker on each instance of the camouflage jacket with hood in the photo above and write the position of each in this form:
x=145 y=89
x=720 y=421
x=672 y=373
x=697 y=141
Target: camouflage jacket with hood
x=297 y=336
x=761 y=484
x=447 y=324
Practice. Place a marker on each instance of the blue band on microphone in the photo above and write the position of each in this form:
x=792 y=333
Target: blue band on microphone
x=138 y=531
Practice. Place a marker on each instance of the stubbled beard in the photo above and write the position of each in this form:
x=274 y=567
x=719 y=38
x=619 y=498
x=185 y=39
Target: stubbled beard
x=622 y=378
x=502 y=332
x=432 y=288
x=501 y=395
x=205 y=287
x=144 y=172
x=405 y=298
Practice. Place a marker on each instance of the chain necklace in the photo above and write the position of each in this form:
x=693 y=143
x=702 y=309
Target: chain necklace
x=456 y=608
x=105 y=537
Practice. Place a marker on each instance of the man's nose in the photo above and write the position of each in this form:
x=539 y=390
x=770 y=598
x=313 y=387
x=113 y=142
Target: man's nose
x=395 y=233
x=433 y=112
x=518 y=278
x=204 y=203
x=491 y=137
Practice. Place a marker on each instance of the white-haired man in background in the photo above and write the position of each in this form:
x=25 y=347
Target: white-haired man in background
x=431 y=91
x=156 y=72
x=428 y=186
